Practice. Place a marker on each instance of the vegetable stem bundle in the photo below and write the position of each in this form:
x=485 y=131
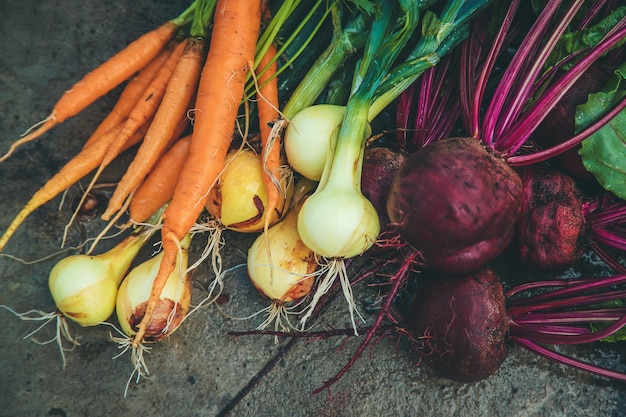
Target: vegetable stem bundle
x=452 y=205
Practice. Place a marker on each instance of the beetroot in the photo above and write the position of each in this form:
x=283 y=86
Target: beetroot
x=550 y=231
x=458 y=323
x=458 y=207
x=456 y=203
x=380 y=165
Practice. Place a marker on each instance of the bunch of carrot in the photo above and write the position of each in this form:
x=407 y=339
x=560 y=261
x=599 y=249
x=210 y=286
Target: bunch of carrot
x=180 y=71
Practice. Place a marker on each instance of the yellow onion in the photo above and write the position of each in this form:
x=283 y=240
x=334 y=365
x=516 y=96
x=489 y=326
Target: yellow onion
x=280 y=265
x=173 y=304
x=239 y=198
x=84 y=287
x=310 y=136
x=284 y=269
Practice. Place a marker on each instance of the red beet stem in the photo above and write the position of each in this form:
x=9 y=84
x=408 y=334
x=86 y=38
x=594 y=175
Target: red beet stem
x=572 y=287
x=432 y=104
x=562 y=338
x=505 y=108
x=517 y=134
x=599 y=315
x=539 y=284
x=566 y=360
x=473 y=88
x=544 y=155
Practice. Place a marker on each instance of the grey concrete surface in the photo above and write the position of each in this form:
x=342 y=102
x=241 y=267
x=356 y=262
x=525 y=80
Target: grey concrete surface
x=200 y=371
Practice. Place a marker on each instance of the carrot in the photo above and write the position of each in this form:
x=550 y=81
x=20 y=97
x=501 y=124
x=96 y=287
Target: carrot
x=148 y=104
x=79 y=166
x=233 y=42
x=178 y=131
x=158 y=187
x=103 y=79
x=180 y=88
x=131 y=93
x=267 y=107
x=142 y=112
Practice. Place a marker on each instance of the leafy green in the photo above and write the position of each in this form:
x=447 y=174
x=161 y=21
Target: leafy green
x=619 y=335
x=604 y=153
x=576 y=41
x=365 y=6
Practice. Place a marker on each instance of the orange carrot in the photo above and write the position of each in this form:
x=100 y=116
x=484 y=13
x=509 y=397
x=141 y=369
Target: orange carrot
x=149 y=103
x=180 y=88
x=142 y=112
x=131 y=94
x=102 y=80
x=79 y=166
x=233 y=43
x=158 y=187
x=267 y=107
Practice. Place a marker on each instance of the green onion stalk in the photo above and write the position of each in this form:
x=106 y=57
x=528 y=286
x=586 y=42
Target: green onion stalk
x=312 y=129
x=278 y=30
x=346 y=41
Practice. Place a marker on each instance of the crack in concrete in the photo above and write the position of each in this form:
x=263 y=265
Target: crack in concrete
x=256 y=379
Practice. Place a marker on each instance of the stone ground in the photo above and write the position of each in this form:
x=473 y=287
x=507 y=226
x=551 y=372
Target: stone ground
x=201 y=371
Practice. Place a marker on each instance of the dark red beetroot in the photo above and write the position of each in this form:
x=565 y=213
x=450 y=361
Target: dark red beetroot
x=458 y=323
x=550 y=231
x=380 y=165
x=456 y=203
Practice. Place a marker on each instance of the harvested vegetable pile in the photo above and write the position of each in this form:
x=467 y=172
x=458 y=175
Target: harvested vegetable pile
x=234 y=124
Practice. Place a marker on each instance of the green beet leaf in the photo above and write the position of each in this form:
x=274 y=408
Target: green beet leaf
x=604 y=153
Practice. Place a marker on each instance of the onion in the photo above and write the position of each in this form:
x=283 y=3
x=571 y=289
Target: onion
x=337 y=222
x=173 y=303
x=84 y=287
x=280 y=265
x=239 y=198
x=310 y=136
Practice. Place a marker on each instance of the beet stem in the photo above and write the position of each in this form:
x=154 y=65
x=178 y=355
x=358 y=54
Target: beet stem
x=600 y=315
x=540 y=156
x=538 y=284
x=566 y=360
x=526 y=87
x=606 y=258
x=569 y=302
x=591 y=14
x=537 y=332
x=519 y=132
x=561 y=339
x=321 y=334
x=609 y=238
x=473 y=108
x=579 y=286
x=521 y=59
